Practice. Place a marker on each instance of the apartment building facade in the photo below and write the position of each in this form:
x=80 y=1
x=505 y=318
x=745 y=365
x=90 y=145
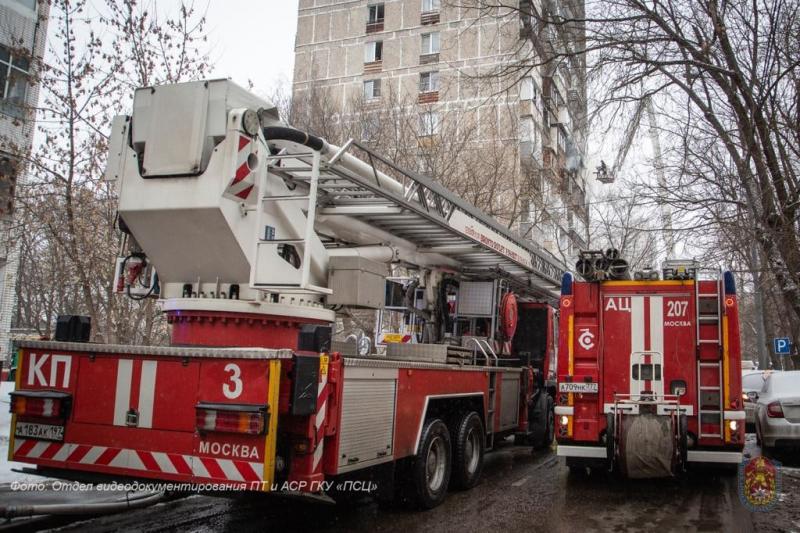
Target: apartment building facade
x=23 y=31
x=512 y=79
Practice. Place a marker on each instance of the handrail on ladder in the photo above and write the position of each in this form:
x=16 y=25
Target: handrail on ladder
x=479 y=343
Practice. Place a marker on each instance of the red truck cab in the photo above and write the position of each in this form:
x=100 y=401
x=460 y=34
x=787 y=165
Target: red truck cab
x=649 y=373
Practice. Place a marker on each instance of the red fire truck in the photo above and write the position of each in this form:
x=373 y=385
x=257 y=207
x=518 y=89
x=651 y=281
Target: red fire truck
x=649 y=373
x=258 y=239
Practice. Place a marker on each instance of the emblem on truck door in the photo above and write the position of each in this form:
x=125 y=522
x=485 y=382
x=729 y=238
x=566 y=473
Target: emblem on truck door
x=586 y=339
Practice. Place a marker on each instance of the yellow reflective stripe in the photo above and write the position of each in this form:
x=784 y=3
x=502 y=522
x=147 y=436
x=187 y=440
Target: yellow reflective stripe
x=660 y=283
x=725 y=377
x=17 y=382
x=570 y=356
x=570 y=342
x=270 y=446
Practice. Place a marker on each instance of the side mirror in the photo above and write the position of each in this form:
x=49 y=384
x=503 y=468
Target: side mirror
x=753 y=395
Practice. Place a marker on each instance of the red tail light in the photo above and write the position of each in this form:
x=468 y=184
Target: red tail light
x=41 y=404
x=774 y=410
x=231 y=418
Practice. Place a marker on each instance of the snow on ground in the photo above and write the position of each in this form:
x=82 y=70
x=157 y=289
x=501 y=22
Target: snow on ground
x=6 y=473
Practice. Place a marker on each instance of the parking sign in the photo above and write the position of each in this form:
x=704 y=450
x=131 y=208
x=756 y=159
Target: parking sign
x=781 y=345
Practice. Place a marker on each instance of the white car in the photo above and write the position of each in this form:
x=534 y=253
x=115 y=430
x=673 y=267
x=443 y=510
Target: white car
x=752 y=382
x=777 y=414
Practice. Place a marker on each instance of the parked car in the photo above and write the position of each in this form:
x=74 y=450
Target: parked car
x=748 y=365
x=777 y=415
x=752 y=381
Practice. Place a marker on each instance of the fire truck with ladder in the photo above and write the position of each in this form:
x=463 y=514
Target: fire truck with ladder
x=257 y=238
x=649 y=375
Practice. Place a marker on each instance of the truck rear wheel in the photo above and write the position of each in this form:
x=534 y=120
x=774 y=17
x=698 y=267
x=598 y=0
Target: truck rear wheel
x=468 y=452
x=543 y=426
x=430 y=471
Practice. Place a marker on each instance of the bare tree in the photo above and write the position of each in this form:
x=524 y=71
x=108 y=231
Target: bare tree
x=67 y=210
x=723 y=77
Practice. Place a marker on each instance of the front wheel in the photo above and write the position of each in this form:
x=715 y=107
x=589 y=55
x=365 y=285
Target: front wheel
x=430 y=472
x=469 y=450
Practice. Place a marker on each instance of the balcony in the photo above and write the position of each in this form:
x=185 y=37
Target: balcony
x=427 y=59
x=375 y=27
x=373 y=66
x=428 y=97
x=429 y=17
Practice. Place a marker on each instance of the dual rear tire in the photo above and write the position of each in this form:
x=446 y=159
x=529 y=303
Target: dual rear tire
x=442 y=461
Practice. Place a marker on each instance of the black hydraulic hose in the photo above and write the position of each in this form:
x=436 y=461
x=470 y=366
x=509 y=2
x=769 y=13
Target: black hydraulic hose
x=273 y=133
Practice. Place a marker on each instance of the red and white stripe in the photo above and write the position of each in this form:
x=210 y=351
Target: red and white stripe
x=138 y=396
x=322 y=411
x=142 y=461
x=243 y=180
x=647 y=340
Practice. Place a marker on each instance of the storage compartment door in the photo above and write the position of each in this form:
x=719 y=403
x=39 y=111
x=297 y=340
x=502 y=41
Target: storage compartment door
x=368 y=409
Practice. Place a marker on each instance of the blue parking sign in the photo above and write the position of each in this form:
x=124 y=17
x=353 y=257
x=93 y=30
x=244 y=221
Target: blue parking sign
x=781 y=345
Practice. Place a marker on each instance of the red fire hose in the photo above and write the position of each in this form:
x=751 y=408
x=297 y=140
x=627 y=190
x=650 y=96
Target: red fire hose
x=508 y=315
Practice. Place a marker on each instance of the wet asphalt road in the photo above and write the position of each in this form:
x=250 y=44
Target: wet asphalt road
x=519 y=491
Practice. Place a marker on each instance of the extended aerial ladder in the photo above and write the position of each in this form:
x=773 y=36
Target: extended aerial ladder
x=607 y=177
x=408 y=208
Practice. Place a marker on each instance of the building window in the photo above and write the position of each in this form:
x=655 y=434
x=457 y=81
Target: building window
x=372 y=89
x=373 y=52
x=13 y=82
x=370 y=128
x=428 y=82
x=562 y=139
x=429 y=123
x=425 y=165
x=374 y=13
x=526 y=129
x=529 y=89
x=430 y=5
x=430 y=43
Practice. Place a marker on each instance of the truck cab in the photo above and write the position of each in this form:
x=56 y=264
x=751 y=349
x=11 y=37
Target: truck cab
x=649 y=376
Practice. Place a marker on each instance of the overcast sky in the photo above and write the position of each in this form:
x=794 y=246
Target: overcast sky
x=252 y=40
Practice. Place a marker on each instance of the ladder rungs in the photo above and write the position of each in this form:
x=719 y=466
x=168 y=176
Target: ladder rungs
x=708 y=341
x=707 y=295
x=284 y=198
x=277 y=168
x=712 y=435
x=708 y=318
x=709 y=388
x=708 y=411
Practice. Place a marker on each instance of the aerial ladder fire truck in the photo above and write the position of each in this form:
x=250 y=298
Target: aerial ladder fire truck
x=649 y=377
x=254 y=235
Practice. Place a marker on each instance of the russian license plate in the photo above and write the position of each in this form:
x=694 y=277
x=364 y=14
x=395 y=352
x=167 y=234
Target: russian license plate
x=29 y=430
x=577 y=387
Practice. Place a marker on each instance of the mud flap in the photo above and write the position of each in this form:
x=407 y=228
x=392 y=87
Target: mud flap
x=647 y=446
x=683 y=441
x=611 y=441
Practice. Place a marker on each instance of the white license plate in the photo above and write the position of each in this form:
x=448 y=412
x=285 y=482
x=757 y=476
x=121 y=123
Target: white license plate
x=577 y=387
x=29 y=430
